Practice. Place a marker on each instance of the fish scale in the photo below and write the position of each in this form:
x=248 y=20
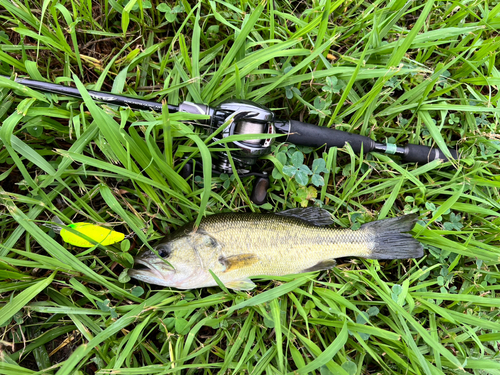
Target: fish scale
x=236 y=247
x=283 y=247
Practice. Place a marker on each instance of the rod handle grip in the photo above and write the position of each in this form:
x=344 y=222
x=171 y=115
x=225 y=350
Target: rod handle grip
x=304 y=134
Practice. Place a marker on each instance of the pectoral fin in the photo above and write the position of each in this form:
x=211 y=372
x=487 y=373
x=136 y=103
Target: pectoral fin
x=234 y=262
x=245 y=284
x=323 y=265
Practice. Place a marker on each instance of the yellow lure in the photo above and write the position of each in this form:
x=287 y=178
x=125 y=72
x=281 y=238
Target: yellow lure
x=99 y=234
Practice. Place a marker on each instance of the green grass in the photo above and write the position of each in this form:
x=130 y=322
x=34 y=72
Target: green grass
x=398 y=71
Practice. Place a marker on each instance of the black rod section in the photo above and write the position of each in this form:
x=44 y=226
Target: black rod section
x=316 y=136
x=105 y=97
x=300 y=133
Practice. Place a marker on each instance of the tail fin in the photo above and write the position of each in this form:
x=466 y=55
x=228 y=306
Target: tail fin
x=391 y=241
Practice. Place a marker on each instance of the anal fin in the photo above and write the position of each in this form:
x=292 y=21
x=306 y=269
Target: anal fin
x=320 y=266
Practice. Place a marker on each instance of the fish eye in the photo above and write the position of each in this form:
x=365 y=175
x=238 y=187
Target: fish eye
x=210 y=241
x=164 y=250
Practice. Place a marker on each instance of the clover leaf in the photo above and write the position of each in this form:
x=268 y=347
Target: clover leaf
x=298 y=170
x=282 y=158
x=106 y=307
x=170 y=13
x=453 y=119
x=482 y=121
x=289 y=90
x=320 y=107
x=443 y=78
x=333 y=85
x=454 y=222
x=319 y=166
x=305 y=194
x=226 y=179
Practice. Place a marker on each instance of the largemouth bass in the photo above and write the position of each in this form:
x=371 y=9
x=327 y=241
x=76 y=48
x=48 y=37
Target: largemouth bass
x=236 y=247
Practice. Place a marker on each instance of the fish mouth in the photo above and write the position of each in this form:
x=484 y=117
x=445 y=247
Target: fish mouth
x=149 y=270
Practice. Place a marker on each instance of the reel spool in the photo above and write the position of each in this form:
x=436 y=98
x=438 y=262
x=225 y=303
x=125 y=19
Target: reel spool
x=244 y=118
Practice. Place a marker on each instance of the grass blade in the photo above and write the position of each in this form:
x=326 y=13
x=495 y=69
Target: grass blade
x=22 y=299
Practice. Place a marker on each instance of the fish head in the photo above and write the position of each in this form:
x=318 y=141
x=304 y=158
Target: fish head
x=178 y=265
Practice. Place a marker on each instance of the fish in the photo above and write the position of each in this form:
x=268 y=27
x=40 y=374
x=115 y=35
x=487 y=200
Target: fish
x=238 y=246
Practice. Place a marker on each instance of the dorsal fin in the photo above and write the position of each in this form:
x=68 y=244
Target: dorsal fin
x=312 y=215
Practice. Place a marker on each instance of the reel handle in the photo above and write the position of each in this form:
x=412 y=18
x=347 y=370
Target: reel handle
x=259 y=191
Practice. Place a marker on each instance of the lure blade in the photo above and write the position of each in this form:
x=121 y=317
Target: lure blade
x=99 y=234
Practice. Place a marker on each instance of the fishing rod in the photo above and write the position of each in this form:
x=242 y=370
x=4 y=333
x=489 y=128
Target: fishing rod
x=247 y=117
